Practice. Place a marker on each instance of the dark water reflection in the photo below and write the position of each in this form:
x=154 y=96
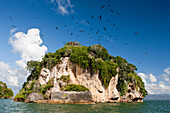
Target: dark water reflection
x=7 y=106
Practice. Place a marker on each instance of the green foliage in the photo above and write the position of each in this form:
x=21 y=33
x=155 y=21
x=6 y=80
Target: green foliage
x=73 y=87
x=22 y=95
x=96 y=58
x=99 y=51
x=5 y=92
x=25 y=91
x=79 y=56
x=34 y=67
x=127 y=75
x=49 y=85
x=50 y=60
x=65 y=78
x=122 y=87
x=106 y=71
x=131 y=77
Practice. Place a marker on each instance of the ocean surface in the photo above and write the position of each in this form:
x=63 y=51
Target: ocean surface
x=148 y=106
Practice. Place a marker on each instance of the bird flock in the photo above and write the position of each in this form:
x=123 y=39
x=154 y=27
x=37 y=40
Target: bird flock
x=97 y=25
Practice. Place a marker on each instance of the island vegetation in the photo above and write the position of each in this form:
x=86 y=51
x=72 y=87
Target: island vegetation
x=5 y=92
x=96 y=58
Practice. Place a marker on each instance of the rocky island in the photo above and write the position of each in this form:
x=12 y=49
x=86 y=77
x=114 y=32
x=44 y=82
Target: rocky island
x=81 y=74
x=5 y=92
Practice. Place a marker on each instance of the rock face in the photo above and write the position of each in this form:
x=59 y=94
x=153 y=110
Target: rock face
x=71 y=97
x=34 y=97
x=75 y=74
x=83 y=77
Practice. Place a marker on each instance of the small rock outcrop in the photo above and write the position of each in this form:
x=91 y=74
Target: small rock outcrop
x=34 y=97
x=71 y=97
x=75 y=74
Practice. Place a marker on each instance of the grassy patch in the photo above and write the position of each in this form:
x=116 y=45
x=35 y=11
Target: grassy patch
x=73 y=87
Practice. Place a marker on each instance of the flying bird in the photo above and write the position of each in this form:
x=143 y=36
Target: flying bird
x=116 y=35
x=112 y=10
x=114 y=25
x=81 y=30
x=65 y=25
x=117 y=13
x=78 y=36
x=108 y=20
x=92 y=16
x=42 y=35
x=146 y=53
x=125 y=43
x=136 y=33
x=104 y=28
x=56 y=28
x=110 y=35
x=88 y=22
x=97 y=32
x=102 y=6
x=91 y=5
x=10 y=18
x=64 y=42
x=71 y=33
x=108 y=5
x=100 y=17
x=13 y=26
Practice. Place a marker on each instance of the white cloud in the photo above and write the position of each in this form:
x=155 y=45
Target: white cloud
x=166 y=77
x=28 y=46
x=152 y=78
x=13 y=81
x=64 y=6
x=8 y=74
x=154 y=88
x=143 y=76
x=13 y=30
x=167 y=70
x=163 y=86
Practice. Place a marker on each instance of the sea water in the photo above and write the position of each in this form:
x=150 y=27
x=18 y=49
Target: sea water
x=148 y=106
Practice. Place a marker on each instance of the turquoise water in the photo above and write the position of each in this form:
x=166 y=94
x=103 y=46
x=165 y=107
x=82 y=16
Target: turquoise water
x=149 y=106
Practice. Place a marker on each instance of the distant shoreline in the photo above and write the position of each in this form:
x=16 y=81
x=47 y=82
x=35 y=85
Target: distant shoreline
x=157 y=97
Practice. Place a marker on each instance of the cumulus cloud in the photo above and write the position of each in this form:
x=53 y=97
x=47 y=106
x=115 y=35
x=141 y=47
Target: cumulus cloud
x=64 y=6
x=160 y=88
x=143 y=76
x=167 y=70
x=13 y=30
x=28 y=46
x=152 y=78
x=8 y=74
x=151 y=85
x=166 y=77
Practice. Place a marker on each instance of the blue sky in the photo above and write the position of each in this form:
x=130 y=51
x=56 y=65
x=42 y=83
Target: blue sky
x=148 y=18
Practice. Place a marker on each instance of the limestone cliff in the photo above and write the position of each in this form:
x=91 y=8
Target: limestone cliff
x=76 y=74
